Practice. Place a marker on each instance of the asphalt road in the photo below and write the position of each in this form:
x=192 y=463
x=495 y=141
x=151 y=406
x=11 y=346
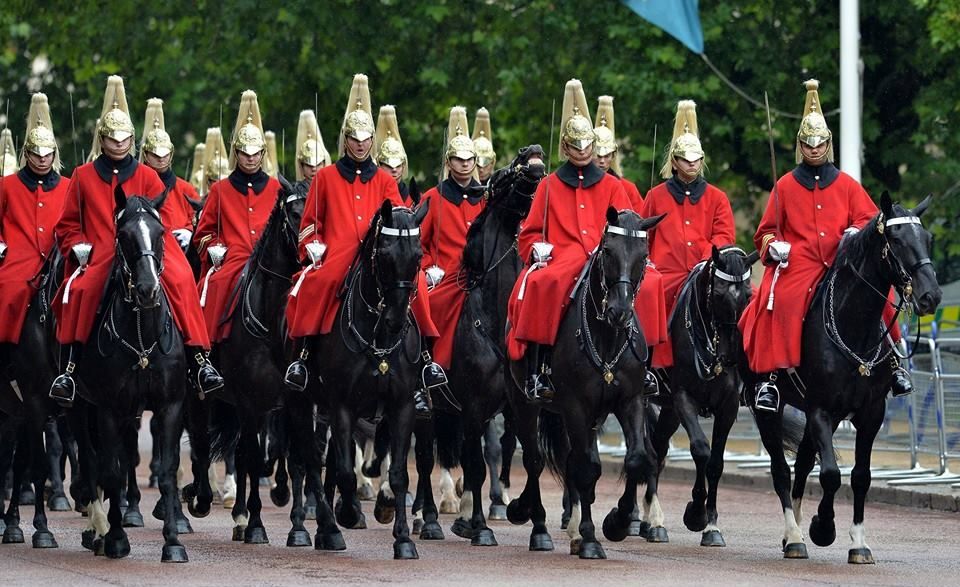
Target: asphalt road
x=911 y=547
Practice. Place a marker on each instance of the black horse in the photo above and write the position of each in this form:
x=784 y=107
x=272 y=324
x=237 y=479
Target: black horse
x=134 y=361
x=372 y=360
x=598 y=368
x=844 y=368
x=705 y=381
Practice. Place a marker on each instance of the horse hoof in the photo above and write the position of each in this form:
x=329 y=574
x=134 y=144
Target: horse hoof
x=417 y=526
x=157 y=512
x=329 y=541
x=87 y=538
x=229 y=502
x=197 y=510
x=310 y=512
x=132 y=519
x=431 y=531
x=98 y=547
x=46 y=540
x=405 y=551
x=517 y=514
x=575 y=545
x=613 y=527
x=118 y=547
x=449 y=506
x=384 y=510
x=695 y=517
x=822 y=533
x=280 y=495
x=638 y=528
x=13 y=535
x=461 y=528
x=795 y=550
x=183 y=524
x=366 y=493
x=541 y=543
x=497 y=512
x=174 y=553
x=298 y=538
x=658 y=535
x=58 y=503
x=349 y=517
x=238 y=532
x=712 y=538
x=255 y=535
x=592 y=550
x=483 y=537
x=860 y=556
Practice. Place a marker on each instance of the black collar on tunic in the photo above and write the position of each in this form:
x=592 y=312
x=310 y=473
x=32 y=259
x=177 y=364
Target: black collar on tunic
x=822 y=175
x=169 y=179
x=256 y=181
x=454 y=193
x=693 y=190
x=107 y=168
x=572 y=175
x=31 y=179
x=350 y=169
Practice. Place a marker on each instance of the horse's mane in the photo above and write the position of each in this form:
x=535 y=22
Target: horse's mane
x=853 y=248
x=271 y=224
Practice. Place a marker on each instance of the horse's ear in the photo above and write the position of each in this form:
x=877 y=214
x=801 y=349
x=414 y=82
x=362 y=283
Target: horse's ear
x=715 y=254
x=922 y=206
x=753 y=257
x=886 y=204
x=386 y=212
x=648 y=223
x=612 y=216
x=120 y=198
x=414 y=190
x=157 y=202
x=286 y=188
x=421 y=212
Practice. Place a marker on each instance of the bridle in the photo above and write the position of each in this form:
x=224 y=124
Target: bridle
x=148 y=251
x=623 y=278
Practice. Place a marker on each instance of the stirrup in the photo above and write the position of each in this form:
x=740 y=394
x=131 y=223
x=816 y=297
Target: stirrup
x=64 y=388
x=768 y=396
x=432 y=373
x=651 y=385
x=902 y=383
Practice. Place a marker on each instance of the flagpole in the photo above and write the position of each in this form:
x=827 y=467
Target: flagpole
x=851 y=138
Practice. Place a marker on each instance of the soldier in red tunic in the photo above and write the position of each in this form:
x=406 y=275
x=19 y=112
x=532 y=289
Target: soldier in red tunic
x=156 y=152
x=698 y=215
x=85 y=235
x=798 y=236
x=234 y=215
x=342 y=201
x=31 y=201
x=312 y=155
x=563 y=228
x=390 y=154
x=483 y=143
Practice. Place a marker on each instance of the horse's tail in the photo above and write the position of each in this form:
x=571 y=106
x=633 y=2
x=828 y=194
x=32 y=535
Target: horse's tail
x=792 y=426
x=553 y=444
x=224 y=430
x=448 y=432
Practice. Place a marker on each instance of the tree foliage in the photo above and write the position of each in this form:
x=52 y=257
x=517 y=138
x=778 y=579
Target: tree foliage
x=513 y=56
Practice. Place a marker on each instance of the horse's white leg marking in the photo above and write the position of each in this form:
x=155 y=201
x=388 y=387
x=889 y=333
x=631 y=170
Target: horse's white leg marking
x=858 y=536
x=655 y=514
x=791 y=531
x=798 y=510
x=98 y=517
x=573 y=527
x=466 y=506
x=449 y=503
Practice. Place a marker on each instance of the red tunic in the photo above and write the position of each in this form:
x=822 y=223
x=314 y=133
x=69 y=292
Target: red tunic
x=444 y=234
x=88 y=216
x=636 y=198
x=699 y=217
x=236 y=212
x=812 y=220
x=342 y=201
x=177 y=212
x=575 y=220
x=30 y=206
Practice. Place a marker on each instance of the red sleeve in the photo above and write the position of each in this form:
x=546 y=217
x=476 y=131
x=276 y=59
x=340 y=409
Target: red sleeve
x=636 y=199
x=767 y=230
x=532 y=228
x=724 y=229
x=862 y=208
x=69 y=230
x=619 y=198
x=207 y=228
x=314 y=210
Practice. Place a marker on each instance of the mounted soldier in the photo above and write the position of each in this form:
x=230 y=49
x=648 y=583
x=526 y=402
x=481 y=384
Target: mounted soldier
x=606 y=154
x=390 y=154
x=809 y=211
x=483 y=143
x=698 y=216
x=216 y=164
x=234 y=215
x=31 y=201
x=85 y=235
x=312 y=155
x=342 y=201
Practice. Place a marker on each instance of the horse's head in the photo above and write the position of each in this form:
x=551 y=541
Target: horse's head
x=290 y=202
x=140 y=246
x=728 y=283
x=907 y=254
x=622 y=257
x=396 y=258
x=512 y=188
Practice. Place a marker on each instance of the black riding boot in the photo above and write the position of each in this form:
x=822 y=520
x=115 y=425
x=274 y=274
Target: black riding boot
x=432 y=376
x=64 y=388
x=297 y=374
x=768 y=396
x=651 y=386
x=902 y=384
x=202 y=373
x=663 y=378
x=538 y=387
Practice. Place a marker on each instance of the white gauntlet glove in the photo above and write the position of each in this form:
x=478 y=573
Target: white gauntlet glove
x=81 y=251
x=315 y=251
x=216 y=253
x=434 y=276
x=779 y=251
x=851 y=230
x=183 y=237
x=542 y=252
x=3 y=250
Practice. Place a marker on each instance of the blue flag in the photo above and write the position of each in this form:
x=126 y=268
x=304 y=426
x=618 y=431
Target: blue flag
x=679 y=18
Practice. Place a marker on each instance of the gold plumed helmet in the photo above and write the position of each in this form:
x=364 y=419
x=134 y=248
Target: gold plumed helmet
x=8 y=157
x=686 y=140
x=40 y=139
x=310 y=147
x=248 y=134
x=605 y=130
x=388 y=145
x=197 y=179
x=217 y=165
x=576 y=129
x=155 y=137
x=271 y=165
x=459 y=143
x=483 y=138
x=114 y=121
x=358 y=118
x=813 y=128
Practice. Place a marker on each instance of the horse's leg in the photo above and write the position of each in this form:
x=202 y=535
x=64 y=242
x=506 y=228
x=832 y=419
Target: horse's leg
x=230 y=487
x=583 y=471
x=529 y=505
x=132 y=518
x=651 y=527
x=868 y=423
x=365 y=490
x=199 y=493
x=253 y=462
x=723 y=422
x=57 y=502
x=347 y=508
x=83 y=481
x=12 y=534
x=493 y=456
x=427 y=512
x=328 y=535
x=770 y=426
x=298 y=535
x=155 y=453
x=637 y=467
x=110 y=478
x=169 y=429
x=695 y=514
x=508 y=445
x=823 y=530
x=401 y=421
x=239 y=511
x=803 y=464
x=280 y=494
x=475 y=472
